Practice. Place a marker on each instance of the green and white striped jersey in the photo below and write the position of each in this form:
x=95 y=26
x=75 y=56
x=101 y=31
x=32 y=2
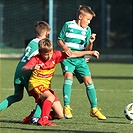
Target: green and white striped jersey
x=31 y=50
x=74 y=36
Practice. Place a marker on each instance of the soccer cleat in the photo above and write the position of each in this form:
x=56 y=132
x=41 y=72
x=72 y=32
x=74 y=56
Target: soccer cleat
x=67 y=112
x=28 y=119
x=34 y=120
x=95 y=112
x=45 y=122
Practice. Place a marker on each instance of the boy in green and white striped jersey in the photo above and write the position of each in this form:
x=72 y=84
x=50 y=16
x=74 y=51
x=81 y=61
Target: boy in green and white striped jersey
x=76 y=36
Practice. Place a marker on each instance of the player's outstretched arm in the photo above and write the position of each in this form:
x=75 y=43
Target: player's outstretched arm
x=94 y=53
x=27 y=69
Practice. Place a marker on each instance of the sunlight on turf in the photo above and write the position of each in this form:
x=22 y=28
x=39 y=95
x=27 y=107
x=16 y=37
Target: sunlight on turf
x=113 y=82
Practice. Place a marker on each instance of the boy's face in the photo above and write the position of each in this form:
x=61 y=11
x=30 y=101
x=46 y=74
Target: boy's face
x=47 y=33
x=47 y=56
x=85 y=19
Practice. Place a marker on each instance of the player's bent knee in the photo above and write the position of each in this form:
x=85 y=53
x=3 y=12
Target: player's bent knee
x=61 y=116
x=87 y=80
x=19 y=97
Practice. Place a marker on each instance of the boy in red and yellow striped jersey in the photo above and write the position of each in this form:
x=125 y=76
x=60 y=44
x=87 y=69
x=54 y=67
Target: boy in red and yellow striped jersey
x=42 y=67
x=42 y=30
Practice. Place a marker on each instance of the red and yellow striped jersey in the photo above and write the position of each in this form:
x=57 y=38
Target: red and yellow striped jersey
x=44 y=75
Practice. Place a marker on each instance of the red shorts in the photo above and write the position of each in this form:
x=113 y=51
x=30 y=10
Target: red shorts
x=37 y=95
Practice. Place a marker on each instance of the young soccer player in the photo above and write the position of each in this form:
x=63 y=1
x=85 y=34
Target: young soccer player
x=42 y=30
x=76 y=35
x=42 y=67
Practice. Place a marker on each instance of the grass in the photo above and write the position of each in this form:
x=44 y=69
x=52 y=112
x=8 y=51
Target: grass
x=113 y=82
x=9 y=50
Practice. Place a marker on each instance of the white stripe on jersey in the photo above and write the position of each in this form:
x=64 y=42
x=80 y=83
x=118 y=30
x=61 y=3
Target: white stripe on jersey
x=36 y=40
x=74 y=25
x=33 y=54
x=73 y=35
x=74 y=45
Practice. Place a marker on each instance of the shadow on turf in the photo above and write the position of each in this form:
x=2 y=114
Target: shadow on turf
x=114 y=122
x=10 y=121
x=49 y=130
x=108 y=77
x=113 y=77
x=115 y=117
x=53 y=130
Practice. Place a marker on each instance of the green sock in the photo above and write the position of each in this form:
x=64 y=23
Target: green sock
x=91 y=94
x=3 y=104
x=67 y=91
x=38 y=111
x=9 y=100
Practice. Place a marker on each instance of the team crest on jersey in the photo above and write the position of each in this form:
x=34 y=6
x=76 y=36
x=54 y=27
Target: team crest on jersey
x=83 y=32
x=53 y=62
x=66 y=67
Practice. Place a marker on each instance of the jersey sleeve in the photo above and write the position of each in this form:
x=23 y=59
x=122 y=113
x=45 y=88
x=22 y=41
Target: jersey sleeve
x=62 y=33
x=32 y=62
x=59 y=56
x=31 y=50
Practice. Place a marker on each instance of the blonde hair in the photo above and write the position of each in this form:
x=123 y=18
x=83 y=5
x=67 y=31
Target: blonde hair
x=45 y=46
x=41 y=27
x=84 y=9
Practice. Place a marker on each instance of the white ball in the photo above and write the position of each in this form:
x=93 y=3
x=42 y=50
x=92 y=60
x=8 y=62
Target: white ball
x=128 y=111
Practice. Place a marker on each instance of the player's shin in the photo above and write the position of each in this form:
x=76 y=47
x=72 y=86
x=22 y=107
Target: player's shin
x=67 y=87
x=91 y=94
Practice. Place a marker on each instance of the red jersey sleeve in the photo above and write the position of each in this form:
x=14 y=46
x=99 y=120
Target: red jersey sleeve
x=59 y=56
x=32 y=62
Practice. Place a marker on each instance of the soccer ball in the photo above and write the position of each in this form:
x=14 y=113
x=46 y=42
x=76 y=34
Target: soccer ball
x=128 y=111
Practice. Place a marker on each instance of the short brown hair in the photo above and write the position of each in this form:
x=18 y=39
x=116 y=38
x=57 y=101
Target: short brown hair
x=85 y=9
x=45 y=45
x=41 y=27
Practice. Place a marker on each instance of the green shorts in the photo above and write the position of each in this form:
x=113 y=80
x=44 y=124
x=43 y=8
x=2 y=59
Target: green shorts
x=77 y=66
x=21 y=81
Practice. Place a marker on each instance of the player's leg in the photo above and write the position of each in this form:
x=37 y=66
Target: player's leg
x=67 y=88
x=55 y=113
x=17 y=96
x=57 y=109
x=37 y=113
x=90 y=91
x=47 y=100
x=83 y=75
x=91 y=94
x=67 y=69
x=38 y=110
x=34 y=115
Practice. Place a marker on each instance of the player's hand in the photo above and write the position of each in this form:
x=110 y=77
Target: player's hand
x=87 y=59
x=37 y=67
x=92 y=38
x=95 y=54
x=68 y=51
